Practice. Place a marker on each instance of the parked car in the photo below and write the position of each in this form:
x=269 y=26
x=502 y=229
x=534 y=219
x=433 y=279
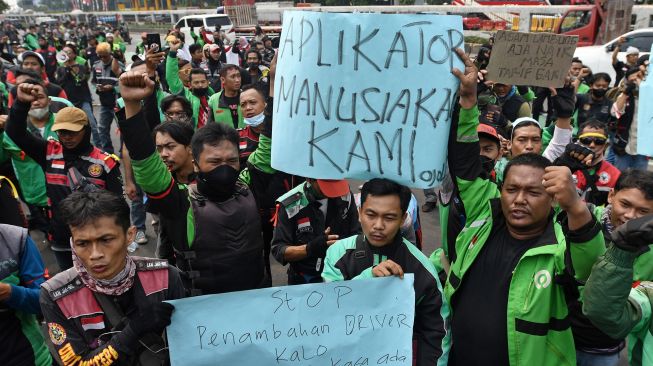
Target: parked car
x=209 y=22
x=599 y=58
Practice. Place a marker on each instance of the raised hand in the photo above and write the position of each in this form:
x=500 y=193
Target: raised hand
x=27 y=92
x=135 y=86
x=468 y=80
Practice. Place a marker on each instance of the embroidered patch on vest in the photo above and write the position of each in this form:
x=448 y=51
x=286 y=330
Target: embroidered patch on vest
x=57 y=334
x=304 y=225
x=95 y=170
x=58 y=164
x=94 y=322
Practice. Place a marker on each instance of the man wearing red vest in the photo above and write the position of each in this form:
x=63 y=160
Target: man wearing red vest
x=70 y=164
x=108 y=309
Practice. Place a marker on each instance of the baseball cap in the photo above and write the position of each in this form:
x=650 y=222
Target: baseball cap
x=71 y=119
x=22 y=56
x=632 y=50
x=333 y=188
x=488 y=130
x=109 y=35
x=214 y=47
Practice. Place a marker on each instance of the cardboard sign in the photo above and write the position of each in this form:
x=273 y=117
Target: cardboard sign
x=362 y=322
x=365 y=95
x=534 y=59
x=645 y=116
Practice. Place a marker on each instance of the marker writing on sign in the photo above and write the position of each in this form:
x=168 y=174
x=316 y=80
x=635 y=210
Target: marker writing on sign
x=301 y=34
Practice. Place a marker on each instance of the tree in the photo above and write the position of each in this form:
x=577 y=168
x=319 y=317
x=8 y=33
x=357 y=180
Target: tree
x=3 y=6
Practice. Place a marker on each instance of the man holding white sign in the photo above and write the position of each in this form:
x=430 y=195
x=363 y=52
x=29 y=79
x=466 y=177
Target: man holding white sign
x=381 y=251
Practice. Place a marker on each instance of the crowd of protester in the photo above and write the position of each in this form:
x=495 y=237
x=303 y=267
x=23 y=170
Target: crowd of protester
x=545 y=214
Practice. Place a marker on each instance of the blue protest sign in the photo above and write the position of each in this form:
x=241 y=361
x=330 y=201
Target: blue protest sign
x=357 y=322
x=645 y=116
x=365 y=95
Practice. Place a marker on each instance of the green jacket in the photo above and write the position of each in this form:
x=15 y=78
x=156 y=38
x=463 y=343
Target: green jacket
x=354 y=258
x=177 y=87
x=619 y=310
x=78 y=60
x=643 y=268
x=4 y=94
x=31 y=41
x=26 y=169
x=539 y=331
x=140 y=48
x=197 y=38
x=222 y=113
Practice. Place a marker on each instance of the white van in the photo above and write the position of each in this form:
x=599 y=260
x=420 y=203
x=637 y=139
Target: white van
x=209 y=22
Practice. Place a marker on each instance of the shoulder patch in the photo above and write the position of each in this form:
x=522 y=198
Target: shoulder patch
x=293 y=204
x=152 y=273
x=63 y=284
x=288 y=201
x=149 y=264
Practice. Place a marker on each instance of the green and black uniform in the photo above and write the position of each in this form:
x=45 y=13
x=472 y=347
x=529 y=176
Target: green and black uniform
x=176 y=87
x=522 y=295
x=618 y=309
x=227 y=110
x=354 y=258
x=302 y=219
x=218 y=245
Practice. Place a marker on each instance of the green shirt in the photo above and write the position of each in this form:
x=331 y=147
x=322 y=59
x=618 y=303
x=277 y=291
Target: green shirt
x=26 y=169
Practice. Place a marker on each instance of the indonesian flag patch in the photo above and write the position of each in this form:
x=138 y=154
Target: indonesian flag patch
x=58 y=164
x=96 y=322
x=302 y=223
x=243 y=145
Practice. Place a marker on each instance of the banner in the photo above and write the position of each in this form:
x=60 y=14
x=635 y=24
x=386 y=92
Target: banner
x=365 y=95
x=358 y=322
x=534 y=59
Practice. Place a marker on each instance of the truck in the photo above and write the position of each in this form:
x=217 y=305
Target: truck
x=597 y=23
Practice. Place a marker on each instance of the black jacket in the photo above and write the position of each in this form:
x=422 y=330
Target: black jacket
x=298 y=224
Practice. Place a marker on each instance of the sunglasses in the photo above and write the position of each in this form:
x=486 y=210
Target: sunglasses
x=596 y=140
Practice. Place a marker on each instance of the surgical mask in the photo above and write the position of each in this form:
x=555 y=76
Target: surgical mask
x=218 y=184
x=599 y=93
x=39 y=113
x=200 y=92
x=487 y=163
x=256 y=120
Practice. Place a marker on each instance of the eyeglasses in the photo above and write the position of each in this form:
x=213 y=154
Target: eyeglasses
x=587 y=141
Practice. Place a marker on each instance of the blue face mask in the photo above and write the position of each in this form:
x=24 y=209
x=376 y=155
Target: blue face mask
x=256 y=120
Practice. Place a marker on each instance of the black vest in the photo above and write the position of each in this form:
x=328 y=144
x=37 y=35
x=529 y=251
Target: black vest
x=227 y=251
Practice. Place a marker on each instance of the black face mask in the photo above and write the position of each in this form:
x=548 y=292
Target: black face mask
x=599 y=93
x=487 y=164
x=200 y=92
x=218 y=184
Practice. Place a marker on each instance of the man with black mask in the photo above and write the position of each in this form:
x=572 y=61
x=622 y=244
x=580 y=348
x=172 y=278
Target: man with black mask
x=595 y=105
x=199 y=92
x=70 y=164
x=222 y=249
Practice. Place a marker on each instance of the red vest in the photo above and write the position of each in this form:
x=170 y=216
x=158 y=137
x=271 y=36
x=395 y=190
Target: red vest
x=95 y=166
